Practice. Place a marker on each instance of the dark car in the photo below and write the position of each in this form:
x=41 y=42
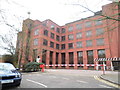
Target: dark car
x=9 y=76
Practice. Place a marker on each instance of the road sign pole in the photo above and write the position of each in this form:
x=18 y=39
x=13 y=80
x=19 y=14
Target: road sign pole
x=103 y=67
x=112 y=66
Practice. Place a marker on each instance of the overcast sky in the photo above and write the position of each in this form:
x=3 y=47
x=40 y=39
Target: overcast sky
x=59 y=11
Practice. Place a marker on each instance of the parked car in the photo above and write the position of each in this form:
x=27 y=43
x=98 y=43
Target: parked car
x=9 y=76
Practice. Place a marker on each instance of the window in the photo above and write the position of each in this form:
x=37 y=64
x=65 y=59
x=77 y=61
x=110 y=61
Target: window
x=52 y=44
x=52 y=27
x=70 y=37
x=45 y=42
x=79 y=26
x=80 y=57
x=44 y=24
x=88 y=33
x=35 y=41
x=63 y=46
x=46 y=32
x=79 y=44
x=70 y=45
x=36 y=32
x=88 y=43
x=70 y=29
x=79 y=35
x=58 y=30
x=52 y=35
x=100 y=41
x=88 y=24
x=57 y=38
x=63 y=38
x=63 y=30
x=90 y=57
x=57 y=46
x=98 y=22
x=99 y=31
x=101 y=54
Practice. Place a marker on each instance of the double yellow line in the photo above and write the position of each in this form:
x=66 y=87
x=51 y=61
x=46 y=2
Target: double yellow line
x=107 y=82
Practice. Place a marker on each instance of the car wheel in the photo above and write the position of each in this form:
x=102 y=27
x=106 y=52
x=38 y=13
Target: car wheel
x=17 y=84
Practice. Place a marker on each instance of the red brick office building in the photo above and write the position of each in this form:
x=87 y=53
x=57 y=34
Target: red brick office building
x=74 y=45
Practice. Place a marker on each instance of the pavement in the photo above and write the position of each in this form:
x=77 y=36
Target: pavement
x=109 y=77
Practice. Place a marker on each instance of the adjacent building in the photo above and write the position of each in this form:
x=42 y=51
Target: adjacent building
x=76 y=44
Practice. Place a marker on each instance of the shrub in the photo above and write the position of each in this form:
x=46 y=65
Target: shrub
x=32 y=66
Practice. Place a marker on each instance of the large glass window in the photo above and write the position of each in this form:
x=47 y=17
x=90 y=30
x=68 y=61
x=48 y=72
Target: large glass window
x=63 y=38
x=63 y=30
x=88 y=24
x=99 y=31
x=98 y=22
x=79 y=26
x=100 y=41
x=45 y=42
x=70 y=29
x=57 y=38
x=101 y=54
x=63 y=46
x=80 y=57
x=57 y=46
x=36 y=32
x=79 y=35
x=70 y=45
x=35 y=41
x=52 y=35
x=44 y=53
x=52 y=44
x=70 y=37
x=71 y=58
x=46 y=32
x=58 y=30
x=88 y=43
x=63 y=58
x=90 y=57
x=88 y=33
x=52 y=27
x=79 y=44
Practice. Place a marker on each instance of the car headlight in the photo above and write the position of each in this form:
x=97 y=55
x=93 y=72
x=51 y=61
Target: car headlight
x=18 y=75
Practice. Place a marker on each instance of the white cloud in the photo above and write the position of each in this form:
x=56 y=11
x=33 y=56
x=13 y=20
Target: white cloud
x=60 y=11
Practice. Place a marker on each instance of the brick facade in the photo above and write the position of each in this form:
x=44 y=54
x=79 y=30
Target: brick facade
x=92 y=37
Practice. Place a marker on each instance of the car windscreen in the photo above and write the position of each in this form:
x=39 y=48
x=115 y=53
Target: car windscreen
x=4 y=66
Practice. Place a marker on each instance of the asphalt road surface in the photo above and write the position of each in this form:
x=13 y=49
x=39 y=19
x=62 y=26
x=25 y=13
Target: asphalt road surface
x=62 y=79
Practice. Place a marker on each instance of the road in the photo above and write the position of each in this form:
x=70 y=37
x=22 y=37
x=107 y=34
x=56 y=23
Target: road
x=62 y=79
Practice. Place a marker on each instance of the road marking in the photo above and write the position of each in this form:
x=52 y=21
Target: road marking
x=105 y=86
x=81 y=81
x=108 y=83
x=37 y=83
x=65 y=78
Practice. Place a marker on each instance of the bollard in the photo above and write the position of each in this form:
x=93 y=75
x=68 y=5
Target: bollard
x=42 y=66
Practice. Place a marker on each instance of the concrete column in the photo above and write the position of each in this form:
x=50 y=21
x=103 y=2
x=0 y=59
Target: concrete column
x=67 y=60
x=54 y=60
x=85 y=59
x=59 y=60
x=95 y=62
x=75 y=60
x=47 y=59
